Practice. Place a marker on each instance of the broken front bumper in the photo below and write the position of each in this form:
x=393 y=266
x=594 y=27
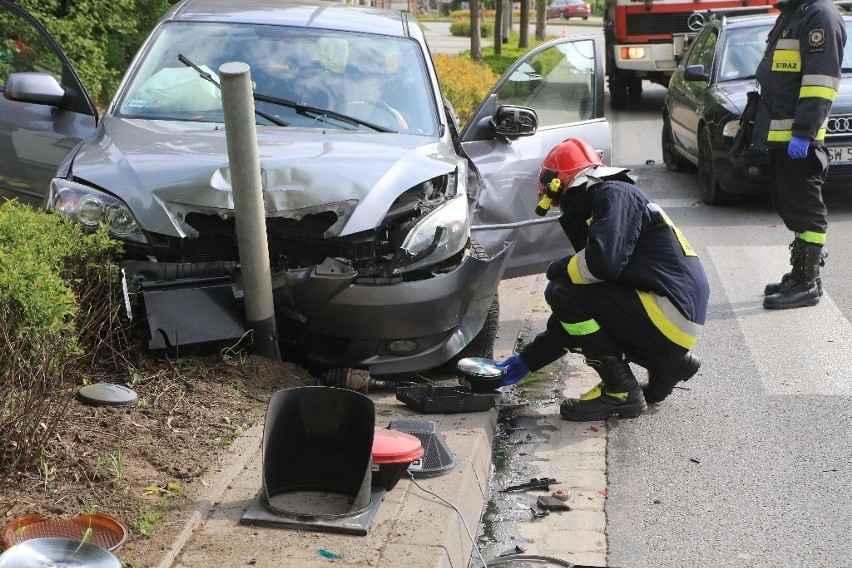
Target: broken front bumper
x=324 y=314
x=386 y=328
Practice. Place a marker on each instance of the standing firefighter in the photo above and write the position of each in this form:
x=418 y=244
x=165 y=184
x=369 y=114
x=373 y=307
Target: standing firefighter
x=634 y=290
x=798 y=79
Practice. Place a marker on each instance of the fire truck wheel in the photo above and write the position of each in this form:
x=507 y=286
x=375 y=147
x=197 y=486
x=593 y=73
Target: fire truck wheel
x=617 y=93
x=634 y=87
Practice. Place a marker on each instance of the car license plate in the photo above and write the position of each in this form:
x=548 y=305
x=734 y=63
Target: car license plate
x=840 y=155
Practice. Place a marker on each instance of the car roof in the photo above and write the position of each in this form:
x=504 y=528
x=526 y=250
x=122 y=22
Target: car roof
x=298 y=13
x=745 y=21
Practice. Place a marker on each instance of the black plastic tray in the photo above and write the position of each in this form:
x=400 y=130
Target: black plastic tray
x=445 y=400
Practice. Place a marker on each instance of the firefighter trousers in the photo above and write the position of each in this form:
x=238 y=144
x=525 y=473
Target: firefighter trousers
x=603 y=319
x=797 y=189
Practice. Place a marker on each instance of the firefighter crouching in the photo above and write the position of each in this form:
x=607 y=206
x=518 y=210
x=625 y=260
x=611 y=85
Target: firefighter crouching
x=798 y=79
x=634 y=291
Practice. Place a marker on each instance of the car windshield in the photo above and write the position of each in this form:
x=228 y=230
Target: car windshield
x=743 y=50
x=379 y=81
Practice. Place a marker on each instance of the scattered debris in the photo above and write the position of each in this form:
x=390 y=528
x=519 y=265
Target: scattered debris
x=516 y=550
x=562 y=494
x=543 y=483
x=329 y=554
x=551 y=503
x=538 y=514
x=694 y=460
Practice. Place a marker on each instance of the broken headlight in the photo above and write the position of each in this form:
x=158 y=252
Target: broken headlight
x=91 y=208
x=445 y=231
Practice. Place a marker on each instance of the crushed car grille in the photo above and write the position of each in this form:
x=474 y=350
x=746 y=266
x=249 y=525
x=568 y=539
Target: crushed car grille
x=292 y=244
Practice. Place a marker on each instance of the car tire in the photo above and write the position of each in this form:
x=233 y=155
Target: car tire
x=711 y=192
x=672 y=160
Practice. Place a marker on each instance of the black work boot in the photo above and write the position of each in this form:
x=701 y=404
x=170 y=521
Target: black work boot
x=664 y=372
x=786 y=280
x=801 y=288
x=617 y=394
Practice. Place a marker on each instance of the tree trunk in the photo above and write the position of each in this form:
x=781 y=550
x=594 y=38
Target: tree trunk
x=524 y=36
x=498 y=27
x=475 y=31
x=540 y=19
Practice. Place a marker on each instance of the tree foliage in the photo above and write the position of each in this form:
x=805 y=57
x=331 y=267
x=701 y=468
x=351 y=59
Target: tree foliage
x=100 y=38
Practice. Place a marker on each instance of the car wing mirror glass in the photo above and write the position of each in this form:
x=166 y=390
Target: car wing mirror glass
x=696 y=73
x=514 y=121
x=36 y=88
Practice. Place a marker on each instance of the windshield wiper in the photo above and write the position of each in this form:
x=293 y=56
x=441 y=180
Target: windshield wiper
x=301 y=109
x=307 y=110
x=208 y=77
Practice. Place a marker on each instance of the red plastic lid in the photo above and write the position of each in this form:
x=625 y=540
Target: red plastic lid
x=391 y=446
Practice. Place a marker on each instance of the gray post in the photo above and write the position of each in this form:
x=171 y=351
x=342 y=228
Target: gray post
x=241 y=137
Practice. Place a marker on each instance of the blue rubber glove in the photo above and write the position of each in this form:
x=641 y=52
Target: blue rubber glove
x=516 y=370
x=558 y=268
x=798 y=147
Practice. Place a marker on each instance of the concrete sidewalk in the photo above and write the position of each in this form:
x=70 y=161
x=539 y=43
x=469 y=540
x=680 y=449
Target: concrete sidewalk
x=431 y=522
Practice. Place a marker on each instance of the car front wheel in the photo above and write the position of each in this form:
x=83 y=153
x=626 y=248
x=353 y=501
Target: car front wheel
x=672 y=160
x=711 y=192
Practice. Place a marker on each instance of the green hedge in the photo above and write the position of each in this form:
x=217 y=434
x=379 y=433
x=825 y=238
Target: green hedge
x=461 y=28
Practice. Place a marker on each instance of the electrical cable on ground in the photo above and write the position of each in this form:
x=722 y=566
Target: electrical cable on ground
x=497 y=561
x=456 y=509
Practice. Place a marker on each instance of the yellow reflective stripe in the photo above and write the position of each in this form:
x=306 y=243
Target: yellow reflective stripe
x=818 y=93
x=820 y=134
x=578 y=270
x=684 y=244
x=581 y=328
x=779 y=136
x=669 y=320
x=812 y=237
x=786 y=60
x=593 y=394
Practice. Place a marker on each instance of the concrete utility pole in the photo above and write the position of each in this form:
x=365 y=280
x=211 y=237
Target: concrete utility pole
x=241 y=136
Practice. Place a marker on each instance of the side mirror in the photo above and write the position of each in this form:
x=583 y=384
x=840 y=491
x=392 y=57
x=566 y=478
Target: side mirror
x=696 y=73
x=35 y=88
x=514 y=121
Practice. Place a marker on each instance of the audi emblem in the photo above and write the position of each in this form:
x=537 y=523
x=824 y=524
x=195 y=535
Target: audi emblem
x=695 y=22
x=840 y=125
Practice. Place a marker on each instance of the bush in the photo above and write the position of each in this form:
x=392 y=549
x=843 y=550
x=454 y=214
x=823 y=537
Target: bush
x=464 y=82
x=461 y=28
x=54 y=282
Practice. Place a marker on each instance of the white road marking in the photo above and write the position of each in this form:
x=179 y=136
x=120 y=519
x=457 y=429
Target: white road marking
x=798 y=351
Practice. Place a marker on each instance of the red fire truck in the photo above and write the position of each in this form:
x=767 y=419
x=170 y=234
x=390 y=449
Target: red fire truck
x=644 y=38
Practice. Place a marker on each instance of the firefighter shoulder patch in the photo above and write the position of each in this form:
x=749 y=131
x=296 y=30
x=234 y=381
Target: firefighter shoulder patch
x=816 y=37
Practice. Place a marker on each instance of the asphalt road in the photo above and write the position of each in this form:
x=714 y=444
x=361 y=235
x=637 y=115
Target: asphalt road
x=748 y=466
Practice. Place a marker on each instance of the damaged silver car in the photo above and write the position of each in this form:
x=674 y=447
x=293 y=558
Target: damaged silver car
x=389 y=227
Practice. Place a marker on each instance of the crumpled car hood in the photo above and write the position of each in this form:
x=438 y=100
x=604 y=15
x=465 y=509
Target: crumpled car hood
x=164 y=169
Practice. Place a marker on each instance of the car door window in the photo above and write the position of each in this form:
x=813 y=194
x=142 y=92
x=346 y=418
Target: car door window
x=703 y=51
x=23 y=49
x=558 y=83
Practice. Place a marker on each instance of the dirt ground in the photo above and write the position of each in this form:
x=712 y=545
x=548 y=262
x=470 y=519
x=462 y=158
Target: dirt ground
x=143 y=464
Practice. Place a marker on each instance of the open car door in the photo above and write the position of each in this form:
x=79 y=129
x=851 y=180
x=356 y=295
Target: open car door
x=44 y=110
x=563 y=82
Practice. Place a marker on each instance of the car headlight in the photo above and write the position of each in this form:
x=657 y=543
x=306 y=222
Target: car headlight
x=91 y=208
x=730 y=128
x=448 y=224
